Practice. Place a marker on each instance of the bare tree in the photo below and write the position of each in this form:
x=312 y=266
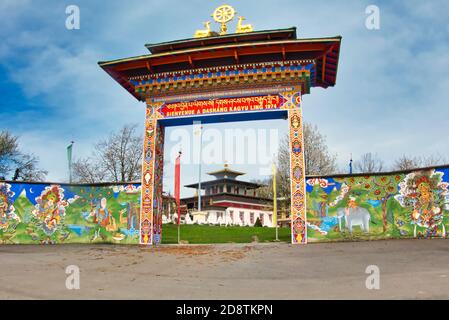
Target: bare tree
x=115 y=159
x=317 y=158
x=21 y=166
x=88 y=171
x=407 y=162
x=369 y=163
x=27 y=169
x=9 y=150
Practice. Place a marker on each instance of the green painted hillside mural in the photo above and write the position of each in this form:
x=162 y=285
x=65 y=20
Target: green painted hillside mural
x=357 y=207
x=398 y=205
x=51 y=213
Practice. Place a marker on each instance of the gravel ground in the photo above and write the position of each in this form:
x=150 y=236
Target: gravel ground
x=410 y=269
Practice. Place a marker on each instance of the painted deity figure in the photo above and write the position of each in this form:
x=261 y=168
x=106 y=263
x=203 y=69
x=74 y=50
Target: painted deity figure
x=8 y=218
x=102 y=217
x=50 y=213
x=351 y=205
x=4 y=208
x=424 y=193
x=3 y=205
x=50 y=209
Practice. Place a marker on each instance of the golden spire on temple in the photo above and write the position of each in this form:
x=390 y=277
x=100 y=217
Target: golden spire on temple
x=222 y=15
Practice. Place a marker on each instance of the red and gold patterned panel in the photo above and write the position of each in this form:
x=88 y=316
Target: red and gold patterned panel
x=151 y=175
x=297 y=173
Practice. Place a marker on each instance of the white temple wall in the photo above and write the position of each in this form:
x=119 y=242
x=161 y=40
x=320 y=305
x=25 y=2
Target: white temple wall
x=230 y=217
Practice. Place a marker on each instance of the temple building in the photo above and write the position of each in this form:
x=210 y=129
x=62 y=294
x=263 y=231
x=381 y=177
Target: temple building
x=228 y=201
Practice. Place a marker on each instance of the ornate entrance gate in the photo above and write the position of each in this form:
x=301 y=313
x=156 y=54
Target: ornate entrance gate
x=219 y=78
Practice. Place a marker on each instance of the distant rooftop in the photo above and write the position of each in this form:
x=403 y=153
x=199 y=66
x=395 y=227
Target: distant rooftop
x=226 y=171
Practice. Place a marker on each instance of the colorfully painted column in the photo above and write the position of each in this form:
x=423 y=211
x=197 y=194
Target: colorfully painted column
x=158 y=178
x=152 y=166
x=297 y=173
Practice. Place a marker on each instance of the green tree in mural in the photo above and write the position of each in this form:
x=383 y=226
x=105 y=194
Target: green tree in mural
x=91 y=195
x=380 y=188
x=98 y=211
x=320 y=200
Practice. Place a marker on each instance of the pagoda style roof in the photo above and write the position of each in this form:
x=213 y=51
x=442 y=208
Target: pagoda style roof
x=265 y=35
x=184 y=65
x=226 y=171
x=204 y=184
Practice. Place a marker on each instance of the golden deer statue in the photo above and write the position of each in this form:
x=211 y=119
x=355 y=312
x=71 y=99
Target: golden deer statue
x=242 y=28
x=202 y=33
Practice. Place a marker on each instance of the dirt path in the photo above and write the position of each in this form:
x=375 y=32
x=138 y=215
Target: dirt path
x=408 y=269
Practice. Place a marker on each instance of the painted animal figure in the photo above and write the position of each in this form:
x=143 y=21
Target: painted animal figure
x=241 y=28
x=355 y=217
x=204 y=33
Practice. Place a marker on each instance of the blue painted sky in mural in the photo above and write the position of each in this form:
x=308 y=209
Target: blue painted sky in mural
x=331 y=185
x=32 y=191
x=53 y=90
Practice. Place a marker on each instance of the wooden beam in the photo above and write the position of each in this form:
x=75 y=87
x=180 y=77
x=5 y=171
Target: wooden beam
x=323 y=68
x=236 y=56
x=191 y=61
x=202 y=55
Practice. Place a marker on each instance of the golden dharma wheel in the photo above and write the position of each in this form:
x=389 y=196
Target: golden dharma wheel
x=223 y=13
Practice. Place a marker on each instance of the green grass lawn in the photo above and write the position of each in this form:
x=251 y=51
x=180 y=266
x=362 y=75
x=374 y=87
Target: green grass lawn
x=216 y=234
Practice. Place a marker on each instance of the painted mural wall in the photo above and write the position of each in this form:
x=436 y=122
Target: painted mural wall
x=52 y=213
x=397 y=205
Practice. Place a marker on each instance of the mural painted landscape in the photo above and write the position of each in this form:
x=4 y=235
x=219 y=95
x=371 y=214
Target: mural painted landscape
x=358 y=207
x=51 y=213
x=398 y=205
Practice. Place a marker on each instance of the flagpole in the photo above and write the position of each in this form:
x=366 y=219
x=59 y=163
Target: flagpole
x=199 y=169
x=350 y=165
x=69 y=159
x=275 y=222
x=177 y=192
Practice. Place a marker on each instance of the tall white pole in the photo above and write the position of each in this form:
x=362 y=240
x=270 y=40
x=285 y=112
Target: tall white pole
x=199 y=168
x=275 y=210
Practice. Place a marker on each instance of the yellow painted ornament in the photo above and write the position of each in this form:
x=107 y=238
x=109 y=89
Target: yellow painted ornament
x=223 y=14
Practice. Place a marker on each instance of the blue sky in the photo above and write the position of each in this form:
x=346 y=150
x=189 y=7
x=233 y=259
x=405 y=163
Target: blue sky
x=391 y=95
